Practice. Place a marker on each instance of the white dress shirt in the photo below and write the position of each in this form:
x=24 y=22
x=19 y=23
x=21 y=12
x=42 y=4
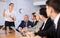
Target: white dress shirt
x=8 y=15
x=34 y=21
x=56 y=20
x=44 y=24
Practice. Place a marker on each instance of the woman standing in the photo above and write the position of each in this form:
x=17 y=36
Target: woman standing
x=9 y=16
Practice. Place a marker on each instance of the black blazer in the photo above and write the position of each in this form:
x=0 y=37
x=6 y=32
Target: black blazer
x=23 y=24
x=58 y=29
x=48 y=29
x=34 y=23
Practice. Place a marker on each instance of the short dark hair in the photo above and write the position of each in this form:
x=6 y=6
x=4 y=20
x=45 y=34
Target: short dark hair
x=42 y=11
x=10 y=4
x=34 y=14
x=55 y=4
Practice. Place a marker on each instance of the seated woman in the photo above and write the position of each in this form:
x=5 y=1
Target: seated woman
x=37 y=26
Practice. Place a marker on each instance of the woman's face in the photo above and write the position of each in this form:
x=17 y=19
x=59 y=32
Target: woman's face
x=37 y=17
x=41 y=17
x=11 y=6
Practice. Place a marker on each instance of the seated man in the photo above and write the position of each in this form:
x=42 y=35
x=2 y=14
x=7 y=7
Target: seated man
x=25 y=23
x=33 y=17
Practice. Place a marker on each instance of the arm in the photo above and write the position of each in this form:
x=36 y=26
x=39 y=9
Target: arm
x=21 y=24
x=19 y=27
x=45 y=32
x=12 y=17
x=30 y=24
x=3 y=14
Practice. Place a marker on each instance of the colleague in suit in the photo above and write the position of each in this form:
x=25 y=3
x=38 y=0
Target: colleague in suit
x=53 y=11
x=25 y=23
x=34 y=19
x=47 y=27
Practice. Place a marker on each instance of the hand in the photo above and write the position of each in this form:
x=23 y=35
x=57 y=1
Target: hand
x=29 y=34
x=25 y=29
x=37 y=36
x=37 y=30
x=29 y=26
x=12 y=17
x=19 y=28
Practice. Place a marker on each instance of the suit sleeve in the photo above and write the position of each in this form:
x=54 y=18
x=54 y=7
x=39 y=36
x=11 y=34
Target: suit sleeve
x=20 y=24
x=30 y=23
x=49 y=31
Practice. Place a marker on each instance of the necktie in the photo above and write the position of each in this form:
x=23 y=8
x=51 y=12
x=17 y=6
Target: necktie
x=26 y=24
x=54 y=26
x=33 y=22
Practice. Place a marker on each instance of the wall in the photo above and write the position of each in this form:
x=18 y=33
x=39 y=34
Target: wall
x=2 y=6
x=26 y=6
x=39 y=2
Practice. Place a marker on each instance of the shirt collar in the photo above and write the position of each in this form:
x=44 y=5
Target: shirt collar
x=56 y=19
x=45 y=20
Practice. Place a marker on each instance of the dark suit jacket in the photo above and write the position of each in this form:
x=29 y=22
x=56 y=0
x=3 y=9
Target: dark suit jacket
x=23 y=24
x=48 y=30
x=34 y=23
x=58 y=29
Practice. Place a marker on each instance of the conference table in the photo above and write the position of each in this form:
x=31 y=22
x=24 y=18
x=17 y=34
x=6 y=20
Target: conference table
x=10 y=34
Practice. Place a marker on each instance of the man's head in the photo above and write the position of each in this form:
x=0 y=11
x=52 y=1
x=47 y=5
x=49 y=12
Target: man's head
x=26 y=18
x=33 y=16
x=52 y=8
x=11 y=5
x=43 y=13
